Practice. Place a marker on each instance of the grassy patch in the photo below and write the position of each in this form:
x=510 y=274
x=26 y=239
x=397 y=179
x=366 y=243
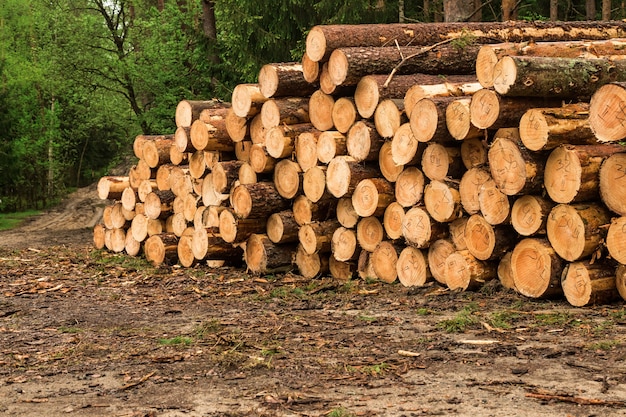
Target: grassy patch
x=372 y=370
x=176 y=341
x=463 y=319
x=12 y=220
x=71 y=330
x=603 y=345
x=340 y=412
x=503 y=319
x=556 y=318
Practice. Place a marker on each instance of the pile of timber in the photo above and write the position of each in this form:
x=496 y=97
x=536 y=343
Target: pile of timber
x=456 y=152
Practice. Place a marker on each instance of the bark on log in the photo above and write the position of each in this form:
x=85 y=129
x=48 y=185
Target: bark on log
x=282 y=227
x=316 y=236
x=440 y=162
x=283 y=79
x=372 y=196
x=392 y=220
x=343 y=244
x=345 y=213
x=572 y=172
x=285 y=111
x=263 y=256
x=390 y=170
x=280 y=140
x=586 y=284
x=613 y=183
x=363 y=141
x=306 y=211
x=288 y=178
x=487 y=242
x=388 y=117
x=257 y=201
x=236 y=230
x=449 y=86
x=344 y=173
x=568 y=78
x=466 y=273
x=469 y=188
x=420 y=229
x=161 y=249
x=616 y=239
x=529 y=214
x=443 y=201
x=321 y=110
x=247 y=100
x=331 y=143
x=412 y=267
x=547 y=128
x=577 y=231
x=428 y=120
x=384 y=261
x=112 y=187
x=369 y=233
x=438 y=252
x=474 y=153
x=188 y=111
x=536 y=269
x=310 y=265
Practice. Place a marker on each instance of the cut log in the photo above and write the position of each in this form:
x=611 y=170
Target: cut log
x=390 y=170
x=577 y=231
x=129 y=198
x=420 y=230
x=384 y=261
x=156 y=150
x=620 y=280
x=616 y=239
x=607 y=112
x=181 y=182
x=145 y=188
x=331 y=143
x=529 y=214
x=162 y=177
x=177 y=157
x=257 y=201
x=282 y=227
x=443 y=201
x=177 y=224
x=459 y=120
x=473 y=153
x=188 y=111
x=237 y=127
x=363 y=142
x=224 y=175
x=310 y=265
x=536 y=269
x=236 y=230
x=158 y=204
x=210 y=197
x=247 y=100
x=412 y=267
x=288 y=178
x=208 y=245
x=282 y=79
x=547 y=128
x=321 y=110
x=209 y=133
x=345 y=213
x=257 y=130
x=99 y=231
x=372 y=196
x=115 y=240
x=365 y=268
x=572 y=172
x=428 y=120
x=438 y=252
x=191 y=202
x=505 y=274
x=567 y=78
x=494 y=204
x=343 y=244
x=369 y=233
x=409 y=187
x=324 y=39
x=132 y=247
x=344 y=173
x=514 y=169
x=466 y=273
x=182 y=139
x=613 y=183
x=316 y=236
x=449 y=86
x=586 y=284
x=440 y=162
x=264 y=256
x=341 y=271
x=487 y=242
x=207 y=216
x=184 y=249
x=344 y=114
x=489 y=110
x=260 y=161
x=285 y=111
x=198 y=165
x=280 y=140
x=314 y=183
x=392 y=220
x=161 y=249
x=457 y=233
x=306 y=150
x=469 y=188
x=306 y=211
x=310 y=69
x=112 y=187
x=388 y=117
x=404 y=145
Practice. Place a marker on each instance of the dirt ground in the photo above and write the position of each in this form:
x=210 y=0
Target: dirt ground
x=89 y=333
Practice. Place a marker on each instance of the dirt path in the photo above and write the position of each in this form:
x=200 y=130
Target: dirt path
x=89 y=333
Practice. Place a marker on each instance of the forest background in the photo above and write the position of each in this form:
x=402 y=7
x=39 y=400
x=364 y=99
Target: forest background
x=79 y=79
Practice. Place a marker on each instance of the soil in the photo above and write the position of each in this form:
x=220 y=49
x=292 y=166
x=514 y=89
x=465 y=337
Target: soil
x=85 y=332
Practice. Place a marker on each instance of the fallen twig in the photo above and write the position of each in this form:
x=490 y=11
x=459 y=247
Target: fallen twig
x=570 y=398
x=141 y=381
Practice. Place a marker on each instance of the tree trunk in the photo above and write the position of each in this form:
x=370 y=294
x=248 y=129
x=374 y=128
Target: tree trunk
x=420 y=229
x=158 y=204
x=342 y=271
x=620 y=280
x=474 y=153
x=586 y=284
x=224 y=175
x=616 y=239
x=607 y=112
x=428 y=120
x=487 y=242
x=606 y=14
x=372 y=196
x=285 y=111
x=184 y=249
x=458 y=120
x=536 y=269
x=260 y=161
x=321 y=110
x=263 y=256
x=257 y=201
x=369 y=233
x=388 y=117
x=346 y=215
x=280 y=140
x=554 y=13
x=306 y=150
x=209 y=131
x=363 y=141
x=282 y=227
x=577 y=231
x=440 y=162
x=509 y=10
x=613 y=183
x=494 y=204
x=237 y=127
x=208 y=245
x=392 y=220
x=314 y=183
x=310 y=69
x=505 y=274
x=529 y=214
x=404 y=146
x=465 y=272
x=316 y=237
x=310 y=265
x=236 y=230
x=448 y=86
x=162 y=249
x=390 y=170
x=283 y=79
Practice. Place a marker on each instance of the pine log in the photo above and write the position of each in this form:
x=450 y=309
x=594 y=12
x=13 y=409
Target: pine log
x=129 y=198
x=346 y=215
x=99 y=231
x=607 y=112
x=344 y=173
x=438 y=252
x=343 y=244
x=392 y=220
x=466 y=273
x=384 y=261
x=288 y=178
x=208 y=245
x=344 y=114
x=494 y=204
x=620 y=280
x=474 y=153
x=331 y=143
x=388 y=117
x=209 y=133
x=306 y=150
x=342 y=271
x=285 y=111
x=236 y=230
x=115 y=240
x=547 y=128
x=118 y=216
x=257 y=201
x=188 y=111
x=145 y=188
x=204 y=218
x=390 y=170
x=572 y=172
x=412 y=267
x=448 y=86
x=428 y=120
x=324 y=39
x=409 y=187
x=162 y=176
x=247 y=100
x=260 y=161
x=470 y=186
x=132 y=247
x=443 y=201
x=321 y=110
x=257 y=130
x=263 y=256
x=280 y=140
x=184 y=249
x=505 y=274
x=158 y=204
x=306 y=211
x=178 y=224
x=177 y=157
x=143 y=171
x=283 y=79
x=372 y=196
x=440 y=162
x=365 y=268
x=585 y=283
x=567 y=78
x=314 y=183
x=182 y=139
x=242 y=150
x=405 y=147
x=529 y=214
x=369 y=233
x=485 y=241
x=156 y=150
x=225 y=174
x=310 y=69
x=420 y=229
x=459 y=120
x=363 y=141
x=310 y=265
x=316 y=236
x=613 y=183
x=616 y=239
x=536 y=269
x=514 y=169
x=210 y=197
x=237 y=127
x=112 y=187
x=139 y=227
x=197 y=165
x=456 y=230
x=282 y=227
x=161 y=249
x=577 y=231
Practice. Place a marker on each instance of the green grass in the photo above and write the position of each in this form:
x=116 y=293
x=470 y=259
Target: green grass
x=340 y=412
x=12 y=220
x=603 y=345
x=463 y=319
x=176 y=341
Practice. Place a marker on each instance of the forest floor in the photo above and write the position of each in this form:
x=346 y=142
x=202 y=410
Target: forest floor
x=85 y=332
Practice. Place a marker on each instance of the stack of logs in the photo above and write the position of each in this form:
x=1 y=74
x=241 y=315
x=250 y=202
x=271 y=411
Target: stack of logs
x=454 y=159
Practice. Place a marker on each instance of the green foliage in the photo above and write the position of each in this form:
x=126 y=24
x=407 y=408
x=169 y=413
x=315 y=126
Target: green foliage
x=463 y=319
